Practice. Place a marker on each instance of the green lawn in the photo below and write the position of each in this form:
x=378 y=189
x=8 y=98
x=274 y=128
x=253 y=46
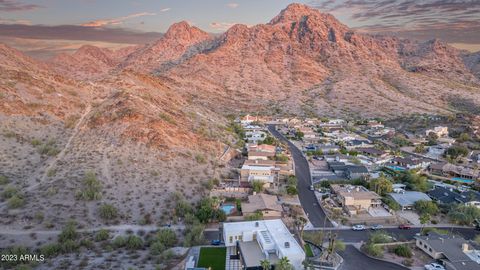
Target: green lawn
x=213 y=257
x=308 y=250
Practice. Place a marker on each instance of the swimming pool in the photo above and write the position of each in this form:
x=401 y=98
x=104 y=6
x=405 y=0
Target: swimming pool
x=396 y=168
x=227 y=208
x=463 y=180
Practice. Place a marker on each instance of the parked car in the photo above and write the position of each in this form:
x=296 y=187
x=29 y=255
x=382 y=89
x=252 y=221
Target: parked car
x=216 y=242
x=434 y=266
x=358 y=227
x=377 y=227
x=312 y=188
x=404 y=227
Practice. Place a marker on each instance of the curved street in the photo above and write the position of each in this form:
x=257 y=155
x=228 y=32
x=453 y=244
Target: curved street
x=309 y=202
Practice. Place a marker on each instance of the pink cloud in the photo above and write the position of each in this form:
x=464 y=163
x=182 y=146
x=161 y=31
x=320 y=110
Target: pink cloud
x=116 y=21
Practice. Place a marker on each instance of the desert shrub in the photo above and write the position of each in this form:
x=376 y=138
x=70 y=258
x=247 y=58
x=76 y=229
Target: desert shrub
x=374 y=250
x=157 y=248
x=102 y=235
x=35 y=142
x=48 y=149
x=108 y=212
x=403 y=251
x=200 y=159
x=69 y=233
x=134 y=242
x=50 y=250
x=119 y=241
x=167 y=237
x=92 y=188
x=3 y=180
x=15 y=201
x=87 y=243
x=69 y=245
x=9 y=192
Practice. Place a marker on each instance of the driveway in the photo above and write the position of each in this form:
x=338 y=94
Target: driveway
x=307 y=197
x=355 y=260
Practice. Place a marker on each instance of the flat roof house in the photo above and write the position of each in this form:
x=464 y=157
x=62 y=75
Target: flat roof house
x=260 y=240
x=454 y=251
x=407 y=199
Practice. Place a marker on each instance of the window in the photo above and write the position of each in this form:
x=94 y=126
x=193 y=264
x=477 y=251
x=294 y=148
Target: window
x=240 y=238
x=230 y=239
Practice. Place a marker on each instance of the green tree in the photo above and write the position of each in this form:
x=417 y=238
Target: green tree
x=403 y=251
x=456 y=151
x=257 y=186
x=265 y=264
x=424 y=219
x=464 y=215
x=283 y=264
x=426 y=207
x=420 y=149
x=381 y=185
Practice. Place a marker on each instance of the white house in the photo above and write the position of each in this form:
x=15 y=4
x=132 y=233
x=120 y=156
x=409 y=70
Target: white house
x=263 y=239
x=439 y=131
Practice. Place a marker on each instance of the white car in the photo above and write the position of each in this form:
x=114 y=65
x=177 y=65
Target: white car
x=434 y=266
x=358 y=228
x=312 y=188
x=377 y=227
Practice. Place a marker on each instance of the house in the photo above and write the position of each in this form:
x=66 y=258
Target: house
x=255 y=136
x=263 y=240
x=453 y=251
x=407 y=199
x=410 y=163
x=248 y=119
x=356 y=172
x=263 y=173
x=262 y=148
x=268 y=205
x=454 y=171
x=253 y=155
x=357 y=143
x=355 y=199
x=437 y=151
x=439 y=131
x=446 y=195
x=374 y=155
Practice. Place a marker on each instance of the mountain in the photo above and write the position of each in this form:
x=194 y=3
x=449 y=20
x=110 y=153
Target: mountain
x=180 y=42
x=304 y=61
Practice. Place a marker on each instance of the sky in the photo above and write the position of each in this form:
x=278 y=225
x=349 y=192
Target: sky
x=45 y=27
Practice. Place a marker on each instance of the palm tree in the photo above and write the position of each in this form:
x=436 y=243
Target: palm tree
x=265 y=264
x=283 y=264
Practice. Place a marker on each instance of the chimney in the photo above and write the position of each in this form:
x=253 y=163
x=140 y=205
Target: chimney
x=464 y=247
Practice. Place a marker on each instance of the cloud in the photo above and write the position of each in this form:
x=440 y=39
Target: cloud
x=77 y=32
x=15 y=21
x=232 y=5
x=12 y=5
x=165 y=9
x=116 y=21
x=449 y=20
x=221 y=25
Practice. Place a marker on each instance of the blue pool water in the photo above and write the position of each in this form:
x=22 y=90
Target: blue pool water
x=396 y=168
x=463 y=180
x=227 y=209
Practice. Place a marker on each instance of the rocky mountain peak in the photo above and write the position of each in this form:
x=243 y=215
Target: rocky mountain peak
x=183 y=31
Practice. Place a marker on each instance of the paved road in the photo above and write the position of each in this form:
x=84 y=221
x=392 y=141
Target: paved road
x=355 y=260
x=307 y=198
x=351 y=236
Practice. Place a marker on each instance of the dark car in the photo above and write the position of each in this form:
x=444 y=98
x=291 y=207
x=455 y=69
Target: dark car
x=216 y=242
x=404 y=227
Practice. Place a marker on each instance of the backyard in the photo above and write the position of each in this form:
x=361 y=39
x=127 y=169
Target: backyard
x=212 y=257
